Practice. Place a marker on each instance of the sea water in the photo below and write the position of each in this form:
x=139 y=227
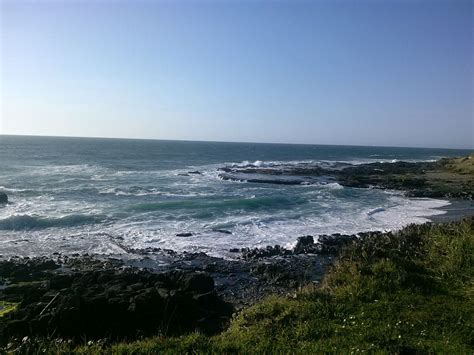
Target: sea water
x=105 y=196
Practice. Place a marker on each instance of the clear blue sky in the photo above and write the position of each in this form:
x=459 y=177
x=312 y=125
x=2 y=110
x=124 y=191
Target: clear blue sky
x=326 y=72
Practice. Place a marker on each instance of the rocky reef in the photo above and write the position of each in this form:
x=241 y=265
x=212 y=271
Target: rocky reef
x=446 y=178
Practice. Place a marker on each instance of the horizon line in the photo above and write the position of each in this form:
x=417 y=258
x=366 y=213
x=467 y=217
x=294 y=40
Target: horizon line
x=219 y=141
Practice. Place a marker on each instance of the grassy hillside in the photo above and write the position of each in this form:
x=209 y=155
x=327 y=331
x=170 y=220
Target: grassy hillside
x=464 y=165
x=412 y=291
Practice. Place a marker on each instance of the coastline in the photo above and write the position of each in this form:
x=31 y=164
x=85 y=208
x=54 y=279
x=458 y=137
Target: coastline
x=38 y=294
x=107 y=300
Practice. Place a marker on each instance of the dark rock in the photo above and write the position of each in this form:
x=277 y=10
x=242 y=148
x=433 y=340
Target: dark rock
x=195 y=172
x=269 y=251
x=184 y=235
x=113 y=303
x=198 y=282
x=409 y=177
x=304 y=245
x=333 y=244
x=210 y=267
x=26 y=269
x=3 y=197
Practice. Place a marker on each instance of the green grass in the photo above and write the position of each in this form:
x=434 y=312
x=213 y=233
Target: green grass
x=6 y=307
x=412 y=291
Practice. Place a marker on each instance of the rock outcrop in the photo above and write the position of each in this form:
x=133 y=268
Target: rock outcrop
x=109 y=302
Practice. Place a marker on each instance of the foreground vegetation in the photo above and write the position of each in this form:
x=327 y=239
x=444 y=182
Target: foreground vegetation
x=410 y=291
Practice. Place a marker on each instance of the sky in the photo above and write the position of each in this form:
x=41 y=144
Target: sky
x=391 y=73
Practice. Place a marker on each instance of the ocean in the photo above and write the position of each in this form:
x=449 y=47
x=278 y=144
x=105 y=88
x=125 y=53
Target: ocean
x=105 y=196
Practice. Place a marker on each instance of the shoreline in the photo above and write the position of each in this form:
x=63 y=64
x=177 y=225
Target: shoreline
x=242 y=281
x=456 y=210
x=442 y=180
x=105 y=297
x=254 y=272
x=205 y=291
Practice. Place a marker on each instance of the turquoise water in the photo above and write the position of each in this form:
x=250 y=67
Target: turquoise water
x=105 y=195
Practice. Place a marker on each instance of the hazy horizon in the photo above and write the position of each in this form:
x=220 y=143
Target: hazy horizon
x=236 y=142
x=394 y=73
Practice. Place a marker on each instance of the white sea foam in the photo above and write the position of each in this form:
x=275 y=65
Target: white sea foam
x=333 y=185
x=255 y=232
x=247 y=230
x=200 y=204
x=11 y=189
x=101 y=197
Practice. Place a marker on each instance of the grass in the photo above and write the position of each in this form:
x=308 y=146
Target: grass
x=409 y=291
x=463 y=165
x=6 y=307
x=454 y=177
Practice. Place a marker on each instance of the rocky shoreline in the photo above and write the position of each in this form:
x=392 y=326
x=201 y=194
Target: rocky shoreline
x=446 y=178
x=94 y=297
x=109 y=298
x=163 y=292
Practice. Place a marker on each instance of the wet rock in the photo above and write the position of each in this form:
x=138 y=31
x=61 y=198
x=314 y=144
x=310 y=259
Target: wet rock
x=305 y=245
x=326 y=245
x=195 y=172
x=184 y=235
x=3 y=198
